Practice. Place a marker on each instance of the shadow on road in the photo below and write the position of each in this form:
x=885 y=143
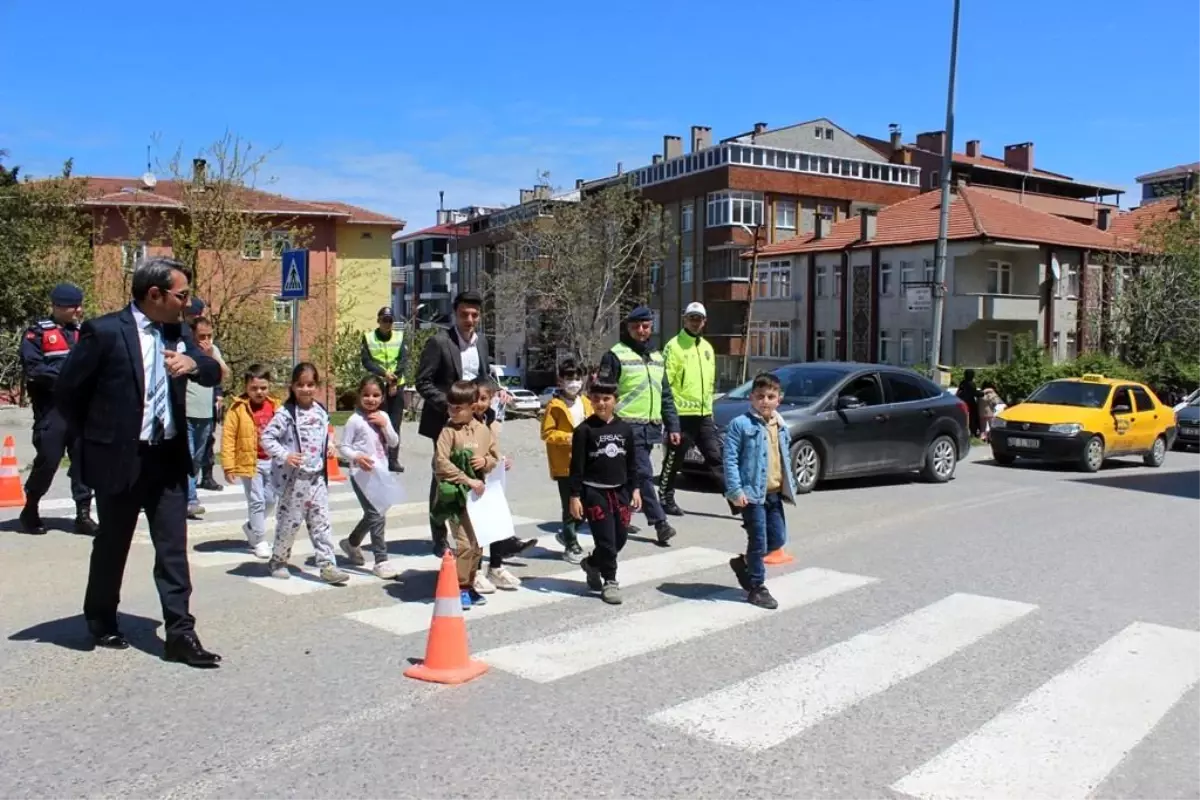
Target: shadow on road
x=63 y=524
x=1179 y=484
x=71 y=633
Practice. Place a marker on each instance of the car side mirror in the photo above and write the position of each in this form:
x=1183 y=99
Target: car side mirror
x=1122 y=409
x=847 y=402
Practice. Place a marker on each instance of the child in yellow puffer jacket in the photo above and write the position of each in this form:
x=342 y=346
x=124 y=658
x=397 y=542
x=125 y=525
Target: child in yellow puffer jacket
x=242 y=456
x=567 y=409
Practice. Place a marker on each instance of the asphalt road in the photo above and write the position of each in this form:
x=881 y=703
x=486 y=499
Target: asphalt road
x=1027 y=632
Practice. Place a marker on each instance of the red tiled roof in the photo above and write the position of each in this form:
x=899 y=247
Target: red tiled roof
x=1128 y=227
x=169 y=194
x=998 y=163
x=974 y=214
x=448 y=230
x=360 y=215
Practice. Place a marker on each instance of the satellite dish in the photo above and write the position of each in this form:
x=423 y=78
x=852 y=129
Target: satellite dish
x=149 y=181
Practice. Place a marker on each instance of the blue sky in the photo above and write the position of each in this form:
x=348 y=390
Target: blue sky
x=385 y=103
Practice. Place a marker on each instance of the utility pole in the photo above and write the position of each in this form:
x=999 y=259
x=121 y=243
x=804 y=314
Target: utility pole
x=939 y=251
x=750 y=300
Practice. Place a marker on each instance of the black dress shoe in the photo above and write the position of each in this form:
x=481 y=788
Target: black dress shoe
x=85 y=525
x=671 y=509
x=107 y=636
x=186 y=649
x=31 y=521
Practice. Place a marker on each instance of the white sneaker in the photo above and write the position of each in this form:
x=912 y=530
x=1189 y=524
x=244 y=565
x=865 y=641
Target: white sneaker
x=503 y=579
x=483 y=585
x=263 y=550
x=385 y=570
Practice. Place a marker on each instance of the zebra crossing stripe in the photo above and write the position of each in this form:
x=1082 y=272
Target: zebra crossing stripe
x=1064 y=738
x=772 y=707
x=402 y=619
x=555 y=657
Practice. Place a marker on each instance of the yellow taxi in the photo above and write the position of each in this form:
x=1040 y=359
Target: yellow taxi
x=1084 y=420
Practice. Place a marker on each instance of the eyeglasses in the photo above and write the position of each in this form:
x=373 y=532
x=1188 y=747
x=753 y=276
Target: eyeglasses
x=180 y=296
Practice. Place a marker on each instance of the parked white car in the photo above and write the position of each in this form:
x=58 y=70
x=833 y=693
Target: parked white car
x=523 y=402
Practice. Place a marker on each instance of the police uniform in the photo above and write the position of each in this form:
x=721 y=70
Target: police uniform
x=44 y=349
x=644 y=400
x=380 y=356
x=691 y=371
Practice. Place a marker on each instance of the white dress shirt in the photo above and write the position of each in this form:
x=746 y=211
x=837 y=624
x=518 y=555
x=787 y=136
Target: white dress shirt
x=469 y=349
x=150 y=344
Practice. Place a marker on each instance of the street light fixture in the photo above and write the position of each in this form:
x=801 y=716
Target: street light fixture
x=750 y=297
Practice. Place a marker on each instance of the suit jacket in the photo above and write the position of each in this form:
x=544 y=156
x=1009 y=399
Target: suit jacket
x=440 y=366
x=101 y=393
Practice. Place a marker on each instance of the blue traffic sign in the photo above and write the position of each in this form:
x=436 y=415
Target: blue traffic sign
x=293 y=281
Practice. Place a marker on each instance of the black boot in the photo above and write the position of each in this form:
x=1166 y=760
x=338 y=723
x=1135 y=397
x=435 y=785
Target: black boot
x=31 y=520
x=669 y=506
x=84 y=524
x=394 y=460
x=207 y=482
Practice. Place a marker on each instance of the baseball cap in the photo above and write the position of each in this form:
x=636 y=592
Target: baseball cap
x=695 y=308
x=386 y=311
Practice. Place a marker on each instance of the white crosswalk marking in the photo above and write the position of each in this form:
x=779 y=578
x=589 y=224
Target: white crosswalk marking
x=1062 y=740
x=555 y=657
x=770 y=708
x=405 y=618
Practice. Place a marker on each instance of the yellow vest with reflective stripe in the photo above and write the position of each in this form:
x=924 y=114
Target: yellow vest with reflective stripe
x=691 y=374
x=639 y=391
x=387 y=354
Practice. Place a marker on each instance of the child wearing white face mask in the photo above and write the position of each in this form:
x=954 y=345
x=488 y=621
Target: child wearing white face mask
x=566 y=410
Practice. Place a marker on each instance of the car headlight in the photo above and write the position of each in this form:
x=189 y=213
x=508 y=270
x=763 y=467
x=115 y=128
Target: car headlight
x=1068 y=428
x=998 y=422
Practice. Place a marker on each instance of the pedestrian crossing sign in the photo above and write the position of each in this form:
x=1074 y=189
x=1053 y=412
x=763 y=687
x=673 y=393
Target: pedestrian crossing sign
x=293 y=279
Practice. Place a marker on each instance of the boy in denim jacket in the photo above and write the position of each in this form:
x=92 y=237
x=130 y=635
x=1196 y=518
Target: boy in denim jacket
x=758 y=481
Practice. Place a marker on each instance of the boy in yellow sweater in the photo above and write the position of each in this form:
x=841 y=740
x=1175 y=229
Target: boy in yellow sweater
x=566 y=410
x=242 y=456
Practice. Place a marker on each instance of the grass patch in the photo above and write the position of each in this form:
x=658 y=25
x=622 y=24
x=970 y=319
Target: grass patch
x=338 y=418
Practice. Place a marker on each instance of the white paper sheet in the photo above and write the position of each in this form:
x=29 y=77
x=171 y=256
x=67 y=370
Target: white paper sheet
x=489 y=514
x=381 y=487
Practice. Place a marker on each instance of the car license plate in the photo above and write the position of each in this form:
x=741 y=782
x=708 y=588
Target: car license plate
x=1190 y=433
x=1031 y=444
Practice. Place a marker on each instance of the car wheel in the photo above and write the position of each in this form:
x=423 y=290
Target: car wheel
x=1093 y=455
x=806 y=465
x=1004 y=459
x=940 y=460
x=1157 y=454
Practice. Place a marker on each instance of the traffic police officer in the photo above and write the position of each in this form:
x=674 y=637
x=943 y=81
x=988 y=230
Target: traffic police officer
x=691 y=371
x=644 y=400
x=384 y=354
x=44 y=350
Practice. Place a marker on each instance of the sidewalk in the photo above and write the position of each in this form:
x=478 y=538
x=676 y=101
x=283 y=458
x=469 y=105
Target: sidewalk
x=18 y=423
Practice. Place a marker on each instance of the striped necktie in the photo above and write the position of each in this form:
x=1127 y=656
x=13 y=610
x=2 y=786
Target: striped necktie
x=158 y=387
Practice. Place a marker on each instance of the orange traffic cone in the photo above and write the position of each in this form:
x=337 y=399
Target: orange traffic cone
x=12 y=493
x=331 y=465
x=779 y=556
x=447 y=659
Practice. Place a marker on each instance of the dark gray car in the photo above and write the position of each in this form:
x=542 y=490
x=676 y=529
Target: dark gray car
x=1187 y=426
x=852 y=420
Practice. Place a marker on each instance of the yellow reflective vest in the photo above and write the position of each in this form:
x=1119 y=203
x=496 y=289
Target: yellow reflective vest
x=639 y=392
x=691 y=374
x=387 y=354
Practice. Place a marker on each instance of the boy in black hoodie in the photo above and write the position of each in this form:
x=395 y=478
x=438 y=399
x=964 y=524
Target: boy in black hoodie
x=604 y=487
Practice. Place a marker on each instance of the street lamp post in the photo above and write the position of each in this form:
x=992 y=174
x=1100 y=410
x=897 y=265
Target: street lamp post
x=939 y=251
x=750 y=298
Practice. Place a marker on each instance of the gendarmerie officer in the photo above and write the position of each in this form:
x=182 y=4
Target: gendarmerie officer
x=44 y=350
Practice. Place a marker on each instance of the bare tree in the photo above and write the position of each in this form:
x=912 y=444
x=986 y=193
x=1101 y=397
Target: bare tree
x=567 y=274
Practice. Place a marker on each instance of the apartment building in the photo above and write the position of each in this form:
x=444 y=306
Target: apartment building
x=1013 y=176
x=1168 y=184
x=775 y=184
x=1010 y=269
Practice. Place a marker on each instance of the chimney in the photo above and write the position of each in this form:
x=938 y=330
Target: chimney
x=866 y=224
x=199 y=171
x=895 y=135
x=620 y=168
x=443 y=216
x=672 y=147
x=526 y=196
x=933 y=141
x=701 y=138
x=655 y=159
x=579 y=183
x=819 y=224
x=1103 y=218
x=760 y=128
x=973 y=148
x=1019 y=156
x=541 y=191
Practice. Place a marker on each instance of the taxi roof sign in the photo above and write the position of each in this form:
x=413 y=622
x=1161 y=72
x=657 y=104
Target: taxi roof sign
x=1094 y=377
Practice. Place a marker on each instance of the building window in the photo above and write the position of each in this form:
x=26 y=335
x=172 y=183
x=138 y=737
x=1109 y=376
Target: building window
x=933 y=180
x=685 y=270
x=280 y=241
x=1055 y=341
x=827 y=212
x=282 y=311
x=885 y=280
x=908 y=274
x=252 y=246
x=1072 y=346
x=999 y=347
x=771 y=339
x=885 y=347
x=822 y=281
x=829 y=134
x=929 y=270
x=775 y=280
x=733 y=208
x=687 y=217
x=818 y=132
x=785 y=215
x=131 y=254
x=907 y=346
x=926 y=344
x=655 y=274
x=999 y=277
x=821 y=346
x=1068 y=285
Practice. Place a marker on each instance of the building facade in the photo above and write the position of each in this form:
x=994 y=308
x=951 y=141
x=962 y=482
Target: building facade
x=773 y=184
x=861 y=291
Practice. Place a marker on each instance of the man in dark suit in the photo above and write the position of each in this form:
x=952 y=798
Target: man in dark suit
x=459 y=353
x=123 y=390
